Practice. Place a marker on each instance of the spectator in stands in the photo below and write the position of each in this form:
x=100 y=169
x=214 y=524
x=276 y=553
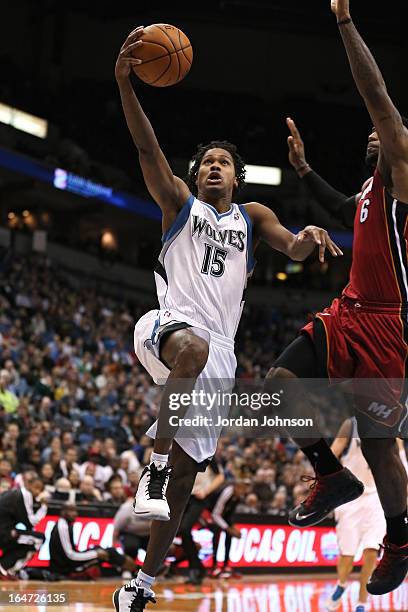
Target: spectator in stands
x=133 y=478
x=10 y=437
x=67 y=440
x=54 y=447
x=8 y=399
x=69 y=462
x=89 y=494
x=264 y=486
x=115 y=493
x=74 y=479
x=48 y=477
x=278 y=506
x=251 y=505
x=100 y=473
x=298 y=494
x=6 y=471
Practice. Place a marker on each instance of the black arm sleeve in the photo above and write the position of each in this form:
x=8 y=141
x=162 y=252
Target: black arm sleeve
x=335 y=202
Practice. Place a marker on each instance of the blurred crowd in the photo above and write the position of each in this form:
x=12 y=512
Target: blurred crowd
x=75 y=403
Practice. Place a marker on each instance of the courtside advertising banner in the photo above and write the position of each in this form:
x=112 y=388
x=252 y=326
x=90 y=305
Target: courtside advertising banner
x=260 y=546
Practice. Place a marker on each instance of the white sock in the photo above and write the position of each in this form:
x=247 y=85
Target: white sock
x=160 y=461
x=144 y=580
x=342 y=584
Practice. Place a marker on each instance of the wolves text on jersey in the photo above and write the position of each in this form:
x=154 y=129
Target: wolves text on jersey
x=224 y=237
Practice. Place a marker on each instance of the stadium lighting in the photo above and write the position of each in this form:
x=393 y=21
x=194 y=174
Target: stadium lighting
x=109 y=241
x=260 y=175
x=263 y=175
x=23 y=121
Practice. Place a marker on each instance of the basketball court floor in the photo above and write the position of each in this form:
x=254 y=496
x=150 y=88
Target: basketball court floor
x=248 y=594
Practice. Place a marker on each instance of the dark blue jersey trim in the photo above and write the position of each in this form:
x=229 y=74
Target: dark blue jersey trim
x=251 y=261
x=180 y=220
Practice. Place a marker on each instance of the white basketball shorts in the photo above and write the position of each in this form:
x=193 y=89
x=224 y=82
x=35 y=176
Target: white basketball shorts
x=360 y=523
x=218 y=374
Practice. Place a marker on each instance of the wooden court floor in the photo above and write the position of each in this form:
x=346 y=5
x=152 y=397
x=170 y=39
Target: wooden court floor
x=248 y=594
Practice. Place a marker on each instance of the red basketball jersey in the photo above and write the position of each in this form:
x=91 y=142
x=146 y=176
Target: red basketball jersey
x=379 y=271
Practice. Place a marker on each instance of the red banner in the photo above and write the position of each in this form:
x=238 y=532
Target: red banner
x=280 y=546
x=265 y=545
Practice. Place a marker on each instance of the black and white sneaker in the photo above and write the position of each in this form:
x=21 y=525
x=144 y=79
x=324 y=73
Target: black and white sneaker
x=132 y=598
x=327 y=494
x=150 y=500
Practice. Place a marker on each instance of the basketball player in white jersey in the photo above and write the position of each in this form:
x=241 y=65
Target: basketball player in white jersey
x=360 y=523
x=207 y=255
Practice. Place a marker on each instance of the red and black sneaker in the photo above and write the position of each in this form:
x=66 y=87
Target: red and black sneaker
x=391 y=570
x=327 y=493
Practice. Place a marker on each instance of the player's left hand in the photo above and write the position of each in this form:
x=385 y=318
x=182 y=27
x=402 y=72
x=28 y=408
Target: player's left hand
x=319 y=236
x=126 y=59
x=341 y=8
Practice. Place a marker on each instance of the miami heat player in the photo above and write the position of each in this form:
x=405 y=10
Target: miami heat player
x=364 y=334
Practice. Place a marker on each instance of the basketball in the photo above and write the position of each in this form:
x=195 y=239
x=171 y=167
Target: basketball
x=166 y=54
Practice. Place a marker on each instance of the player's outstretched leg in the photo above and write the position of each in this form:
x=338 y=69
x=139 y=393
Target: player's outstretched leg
x=135 y=595
x=333 y=485
x=391 y=480
x=369 y=563
x=344 y=569
x=186 y=354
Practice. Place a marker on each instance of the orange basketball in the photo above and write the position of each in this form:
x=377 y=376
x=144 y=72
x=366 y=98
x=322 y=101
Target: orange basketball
x=166 y=54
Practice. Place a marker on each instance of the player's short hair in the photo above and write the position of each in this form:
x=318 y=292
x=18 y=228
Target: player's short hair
x=198 y=157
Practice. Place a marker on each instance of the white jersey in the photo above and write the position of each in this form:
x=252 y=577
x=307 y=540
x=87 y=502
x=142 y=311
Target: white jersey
x=353 y=459
x=204 y=265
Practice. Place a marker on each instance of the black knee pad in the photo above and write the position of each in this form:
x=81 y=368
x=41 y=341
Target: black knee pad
x=300 y=358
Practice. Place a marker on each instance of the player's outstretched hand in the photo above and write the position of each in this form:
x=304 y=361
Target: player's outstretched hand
x=341 y=8
x=296 y=147
x=319 y=236
x=126 y=58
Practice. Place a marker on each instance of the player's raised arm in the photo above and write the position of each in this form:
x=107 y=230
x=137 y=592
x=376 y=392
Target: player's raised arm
x=370 y=83
x=338 y=204
x=167 y=190
x=298 y=247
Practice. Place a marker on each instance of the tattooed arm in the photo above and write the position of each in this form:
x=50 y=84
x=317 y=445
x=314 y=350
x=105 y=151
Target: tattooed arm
x=387 y=120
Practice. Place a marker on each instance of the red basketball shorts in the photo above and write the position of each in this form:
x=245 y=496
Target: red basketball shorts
x=367 y=343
